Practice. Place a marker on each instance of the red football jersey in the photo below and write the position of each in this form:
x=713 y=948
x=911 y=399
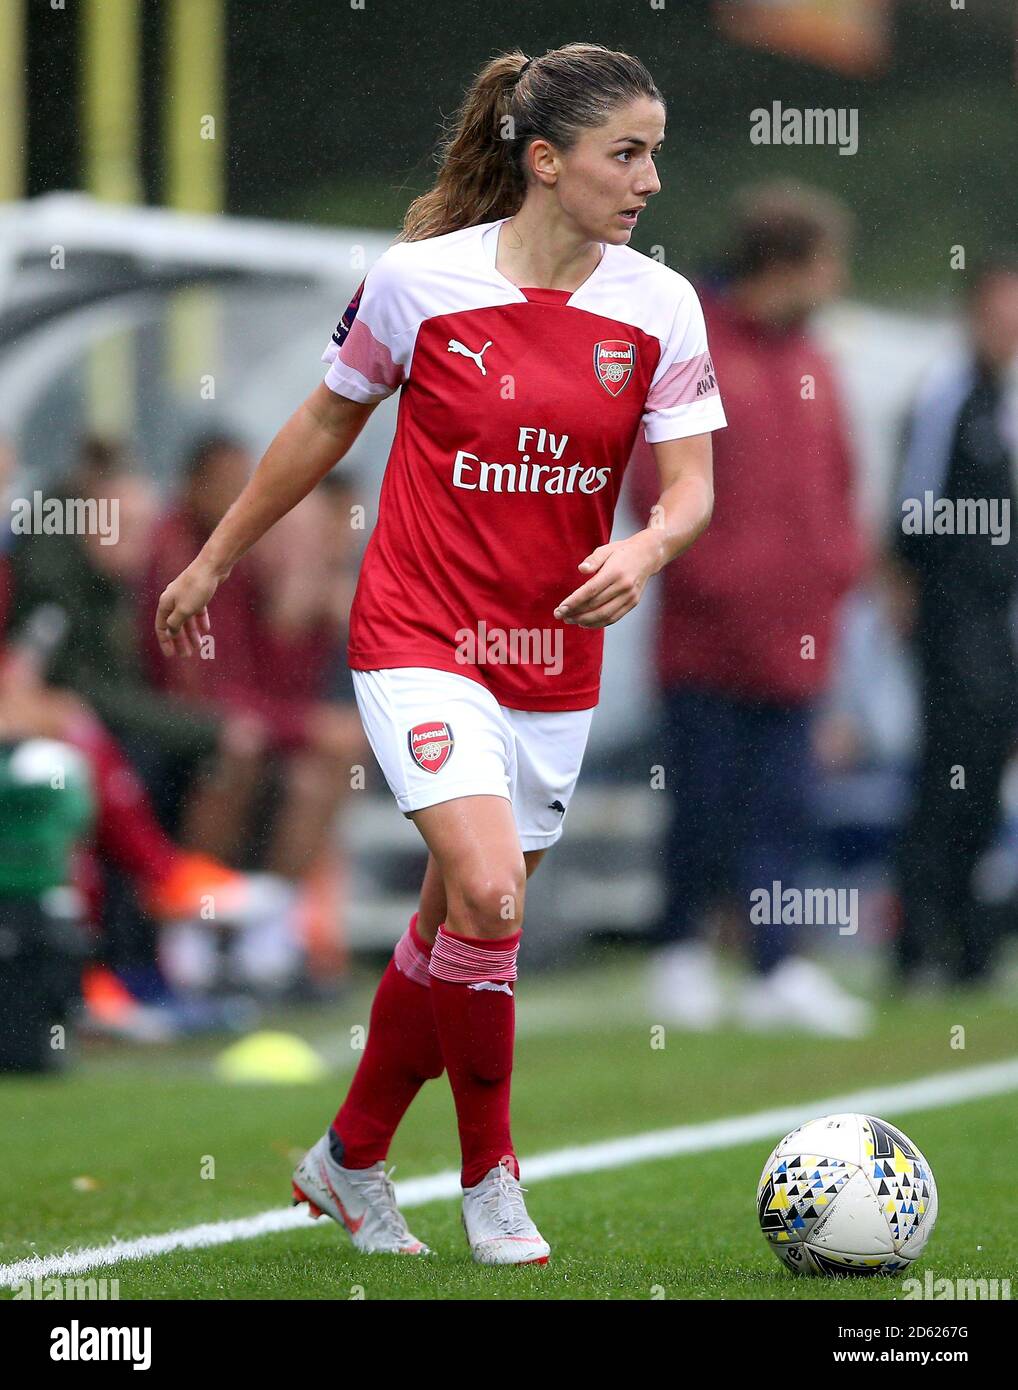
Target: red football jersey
x=518 y=412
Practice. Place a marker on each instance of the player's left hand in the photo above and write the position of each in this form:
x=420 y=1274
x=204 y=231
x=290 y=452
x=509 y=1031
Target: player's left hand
x=619 y=572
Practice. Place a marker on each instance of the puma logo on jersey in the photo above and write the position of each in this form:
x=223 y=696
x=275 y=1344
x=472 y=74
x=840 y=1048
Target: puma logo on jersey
x=456 y=346
x=503 y=988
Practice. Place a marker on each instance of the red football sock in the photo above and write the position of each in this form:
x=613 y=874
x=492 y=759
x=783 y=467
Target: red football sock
x=476 y=1015
x=402 y=1053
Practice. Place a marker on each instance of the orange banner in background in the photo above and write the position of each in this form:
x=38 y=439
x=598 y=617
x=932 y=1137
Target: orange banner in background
x=850 y=36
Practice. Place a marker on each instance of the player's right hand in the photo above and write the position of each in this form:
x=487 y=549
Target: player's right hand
x=182 y=617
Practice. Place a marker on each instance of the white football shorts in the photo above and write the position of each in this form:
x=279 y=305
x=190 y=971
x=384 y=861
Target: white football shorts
x=438 y=736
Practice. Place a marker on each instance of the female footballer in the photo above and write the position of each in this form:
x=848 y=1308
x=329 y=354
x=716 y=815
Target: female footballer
x=529 y=342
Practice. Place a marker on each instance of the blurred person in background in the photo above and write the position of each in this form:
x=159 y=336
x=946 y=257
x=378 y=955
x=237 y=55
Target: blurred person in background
x=42 y=817
x=70 y=671
x=953 y=592
x=45 y=809
x=84 y=589
x=126 y=989
x=7 y=468
x=277 y=641
x=344 y=521
x=747 y=621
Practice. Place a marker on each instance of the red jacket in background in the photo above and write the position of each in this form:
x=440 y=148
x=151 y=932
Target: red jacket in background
x=254 y=670
x=783 y=545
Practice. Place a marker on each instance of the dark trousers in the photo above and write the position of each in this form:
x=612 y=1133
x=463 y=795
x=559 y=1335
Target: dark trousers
x=736 y=776
x=949 y=829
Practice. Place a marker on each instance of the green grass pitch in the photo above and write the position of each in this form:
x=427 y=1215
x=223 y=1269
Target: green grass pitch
x=139 y=1125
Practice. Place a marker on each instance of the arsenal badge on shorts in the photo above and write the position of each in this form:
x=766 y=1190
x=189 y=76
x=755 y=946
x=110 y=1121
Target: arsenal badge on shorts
x=614 y=362
x=430 y=745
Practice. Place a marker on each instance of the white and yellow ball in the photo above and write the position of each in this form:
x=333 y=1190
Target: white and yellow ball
x=847 y=1194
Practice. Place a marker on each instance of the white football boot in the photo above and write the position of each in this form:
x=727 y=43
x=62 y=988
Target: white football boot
x=684 y=987
x=799 y=995
x=362 y=1200
x=497 y=1225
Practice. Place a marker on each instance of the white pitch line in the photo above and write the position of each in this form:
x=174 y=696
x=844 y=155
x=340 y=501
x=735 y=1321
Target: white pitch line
x=926 y=1093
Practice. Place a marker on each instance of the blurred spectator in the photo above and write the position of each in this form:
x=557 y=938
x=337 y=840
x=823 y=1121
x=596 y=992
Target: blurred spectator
x=275 y=642
x=45 y=806
x=69 y=657
x=7 y=467
x=54 y=862
x=953 y=591
x=344 y=521
x=172 y=883
x=747 y=618
x=86 y=583
x=93 y=585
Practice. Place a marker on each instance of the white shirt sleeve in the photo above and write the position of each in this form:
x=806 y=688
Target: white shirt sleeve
x=367 y=351
x=683 y=398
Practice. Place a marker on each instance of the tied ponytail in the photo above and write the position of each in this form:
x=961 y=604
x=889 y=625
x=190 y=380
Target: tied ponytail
x=512 y=101
x=477 y=180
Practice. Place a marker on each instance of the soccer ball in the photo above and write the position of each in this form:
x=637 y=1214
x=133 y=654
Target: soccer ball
x=847 y=1194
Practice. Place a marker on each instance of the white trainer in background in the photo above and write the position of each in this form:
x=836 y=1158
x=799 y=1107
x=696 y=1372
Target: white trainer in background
x=798 y=994
x=685 y=990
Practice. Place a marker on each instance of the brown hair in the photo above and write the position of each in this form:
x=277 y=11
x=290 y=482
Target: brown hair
x=779 y=222
x=481 y=174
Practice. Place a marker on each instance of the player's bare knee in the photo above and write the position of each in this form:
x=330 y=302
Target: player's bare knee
x=492 y=902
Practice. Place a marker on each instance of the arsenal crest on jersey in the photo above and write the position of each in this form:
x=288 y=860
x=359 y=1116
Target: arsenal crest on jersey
x=430 y=745
x=614 y=362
